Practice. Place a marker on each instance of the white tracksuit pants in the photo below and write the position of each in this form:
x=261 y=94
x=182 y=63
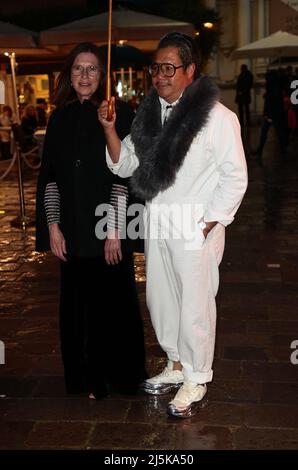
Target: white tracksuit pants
x=181 y=288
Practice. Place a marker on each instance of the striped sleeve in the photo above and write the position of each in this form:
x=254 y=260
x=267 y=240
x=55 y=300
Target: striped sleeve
x=52 y=203
x=118 y=207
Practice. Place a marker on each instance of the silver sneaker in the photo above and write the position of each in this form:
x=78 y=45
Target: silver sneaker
x=164 y=382
x=187 y=401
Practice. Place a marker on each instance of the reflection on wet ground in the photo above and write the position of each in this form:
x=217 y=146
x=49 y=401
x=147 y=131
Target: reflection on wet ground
x=252 y=402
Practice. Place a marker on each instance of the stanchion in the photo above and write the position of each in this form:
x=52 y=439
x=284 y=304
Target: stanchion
x=108 y=85
x=21 y=221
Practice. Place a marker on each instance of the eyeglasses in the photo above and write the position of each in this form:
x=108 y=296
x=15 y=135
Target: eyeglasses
x=90 y=70
x=168 y=70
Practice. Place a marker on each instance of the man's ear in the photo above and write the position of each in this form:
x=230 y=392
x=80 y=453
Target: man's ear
x=191 y=71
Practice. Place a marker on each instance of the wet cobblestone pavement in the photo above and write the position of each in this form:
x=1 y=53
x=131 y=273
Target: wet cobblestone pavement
x=253 y=400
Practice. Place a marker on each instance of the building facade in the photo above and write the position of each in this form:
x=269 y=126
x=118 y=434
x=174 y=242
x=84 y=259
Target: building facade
x=244 y=21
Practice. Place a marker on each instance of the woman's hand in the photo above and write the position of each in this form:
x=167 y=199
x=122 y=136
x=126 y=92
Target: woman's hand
x=57 y=242
x=103 y=114
x=112 y=249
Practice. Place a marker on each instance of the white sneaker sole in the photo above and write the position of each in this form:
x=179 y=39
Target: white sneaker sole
x=188 y=411
x=159 y=389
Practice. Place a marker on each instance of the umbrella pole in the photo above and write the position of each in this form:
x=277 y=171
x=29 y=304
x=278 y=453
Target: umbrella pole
x=108 y=88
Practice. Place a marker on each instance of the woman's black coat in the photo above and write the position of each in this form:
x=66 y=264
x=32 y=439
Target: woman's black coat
x=74 y=157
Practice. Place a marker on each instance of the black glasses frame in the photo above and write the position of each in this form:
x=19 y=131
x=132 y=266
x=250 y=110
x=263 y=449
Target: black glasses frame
x=90 y=70
x=162 y=67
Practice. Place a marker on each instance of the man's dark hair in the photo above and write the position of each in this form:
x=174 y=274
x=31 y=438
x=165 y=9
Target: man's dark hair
x=64 y=92
x=188 y=50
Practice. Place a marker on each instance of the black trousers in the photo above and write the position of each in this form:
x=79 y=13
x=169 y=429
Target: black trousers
x=101 y=329
x=243 y=107
x=280 y=124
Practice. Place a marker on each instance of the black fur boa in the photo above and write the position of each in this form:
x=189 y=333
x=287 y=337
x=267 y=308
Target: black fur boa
x=161 y=150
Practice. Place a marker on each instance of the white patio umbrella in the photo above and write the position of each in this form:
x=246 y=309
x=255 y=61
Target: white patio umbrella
x=279 y=44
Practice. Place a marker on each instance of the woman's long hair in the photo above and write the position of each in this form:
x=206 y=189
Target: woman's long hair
x=64 y=91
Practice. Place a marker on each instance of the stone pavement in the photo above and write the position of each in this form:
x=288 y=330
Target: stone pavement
x=253 y=400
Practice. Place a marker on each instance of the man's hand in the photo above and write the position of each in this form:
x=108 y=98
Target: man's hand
x=103 y=115
x=57 y=242
x=112 y=249
x=112 y=140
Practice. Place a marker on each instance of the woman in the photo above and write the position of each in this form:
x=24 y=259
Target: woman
x=29 y=120
x=29 y=125
x=101 y=330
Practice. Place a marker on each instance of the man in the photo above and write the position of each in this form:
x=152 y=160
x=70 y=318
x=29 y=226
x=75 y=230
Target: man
x=274 y=114
x=243 y=98
x=184 y=151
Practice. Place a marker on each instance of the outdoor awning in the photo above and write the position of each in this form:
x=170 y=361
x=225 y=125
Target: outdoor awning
x=127 y=25
x=21 y=41
x=12 y=36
